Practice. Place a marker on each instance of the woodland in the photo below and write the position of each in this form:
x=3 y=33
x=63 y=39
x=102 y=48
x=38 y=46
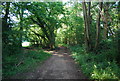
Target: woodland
x=91 y=30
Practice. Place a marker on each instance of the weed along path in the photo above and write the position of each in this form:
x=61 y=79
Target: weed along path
x=59 y=66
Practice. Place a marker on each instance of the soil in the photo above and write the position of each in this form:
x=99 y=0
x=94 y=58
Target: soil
x=59 y=66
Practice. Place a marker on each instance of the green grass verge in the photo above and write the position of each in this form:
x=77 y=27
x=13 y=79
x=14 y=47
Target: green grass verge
x=96 y=66
x=19 y=63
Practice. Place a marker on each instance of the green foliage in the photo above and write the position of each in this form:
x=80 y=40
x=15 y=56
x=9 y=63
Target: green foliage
x=72 y=31
x=22 y=62
x=46 y=23
x=11 y=46
x=100 y=66
x=47 y=17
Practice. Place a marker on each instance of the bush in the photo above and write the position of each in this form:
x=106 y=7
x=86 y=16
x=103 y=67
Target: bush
x=97 y=66
x=22 y=62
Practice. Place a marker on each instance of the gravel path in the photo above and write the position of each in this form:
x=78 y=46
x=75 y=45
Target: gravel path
x=59 y=66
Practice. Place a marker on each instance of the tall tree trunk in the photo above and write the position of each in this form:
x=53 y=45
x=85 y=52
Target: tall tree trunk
x=52 y=38
x=5 y=25
x=106 y=20
x=98 y=25
x=87 y=25
x=85 y=22
x=21 y=25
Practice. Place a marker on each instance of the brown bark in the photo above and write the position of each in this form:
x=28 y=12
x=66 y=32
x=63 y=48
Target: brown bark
x=98 y=26
x=5 y=25
x=87 y=23
x=106 y=20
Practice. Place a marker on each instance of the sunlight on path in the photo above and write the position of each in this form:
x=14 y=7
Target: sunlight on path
x=59 y=66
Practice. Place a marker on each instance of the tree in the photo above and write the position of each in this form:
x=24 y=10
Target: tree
x=87 y=22
x=106 y=6
x=46 y=18
x=19 y=12
x=5 y=25
x=98 y=25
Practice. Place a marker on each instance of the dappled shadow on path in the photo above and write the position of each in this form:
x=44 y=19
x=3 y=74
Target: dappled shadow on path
x=59 y=66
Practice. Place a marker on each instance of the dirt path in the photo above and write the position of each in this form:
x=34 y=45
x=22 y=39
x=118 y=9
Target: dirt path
x=59 y=66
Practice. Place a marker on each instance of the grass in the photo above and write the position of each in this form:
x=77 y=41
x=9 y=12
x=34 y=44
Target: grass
x=23 y=62
x=96 y=66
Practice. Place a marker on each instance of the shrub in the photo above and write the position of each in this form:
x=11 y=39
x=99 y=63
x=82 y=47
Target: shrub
x=22 y=62
x=97 y=66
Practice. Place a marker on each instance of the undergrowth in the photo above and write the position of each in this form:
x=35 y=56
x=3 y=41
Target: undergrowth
x=97 y=66
x=22 y=62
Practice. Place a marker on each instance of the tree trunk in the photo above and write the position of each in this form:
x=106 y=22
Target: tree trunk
x=106 y=20
x=5 y=26
x=87 y=25
x=51 y=38
x=21 y=25
x=98 y=26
